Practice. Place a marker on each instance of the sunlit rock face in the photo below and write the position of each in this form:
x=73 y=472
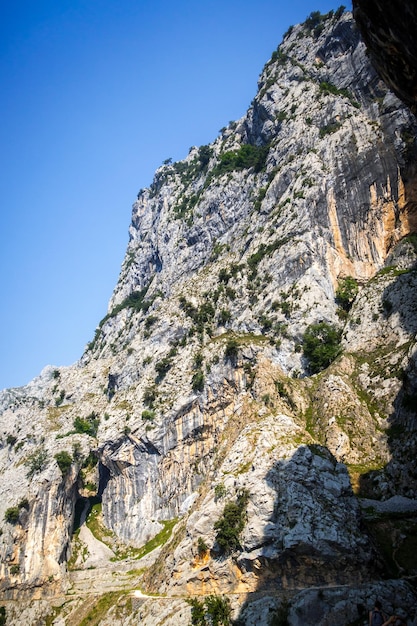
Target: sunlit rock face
x=196 y=393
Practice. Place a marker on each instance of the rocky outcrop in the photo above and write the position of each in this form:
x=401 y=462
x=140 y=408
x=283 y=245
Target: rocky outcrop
x=196 y=397
x=389 y=33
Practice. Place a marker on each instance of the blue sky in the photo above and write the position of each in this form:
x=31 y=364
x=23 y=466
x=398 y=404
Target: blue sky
x=95 y=94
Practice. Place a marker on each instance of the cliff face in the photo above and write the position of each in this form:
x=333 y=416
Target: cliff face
x=389 y=33
x=197 y=394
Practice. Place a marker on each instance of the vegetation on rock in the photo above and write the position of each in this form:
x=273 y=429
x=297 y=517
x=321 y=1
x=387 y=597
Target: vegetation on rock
x=347 y=291
x=212 y=611
x=11 y=514
x=230 y=525
x=64 y=460
x=321 y=345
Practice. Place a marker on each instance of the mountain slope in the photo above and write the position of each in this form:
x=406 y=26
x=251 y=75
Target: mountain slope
x=199 y=401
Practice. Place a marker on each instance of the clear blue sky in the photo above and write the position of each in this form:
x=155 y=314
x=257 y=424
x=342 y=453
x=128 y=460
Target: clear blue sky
x=95 y=94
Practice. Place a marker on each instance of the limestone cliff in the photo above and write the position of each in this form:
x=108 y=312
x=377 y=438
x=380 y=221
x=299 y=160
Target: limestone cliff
x=198 y=396
x=389 y=32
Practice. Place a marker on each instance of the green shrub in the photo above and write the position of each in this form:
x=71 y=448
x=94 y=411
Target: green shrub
x=224 y=275
x=230 y=292
x=224 y=316
x=202 y=547
x=213 y=611
x=313 y=20
x=11 y=440
x=149 y=397
x=329 y=128
x=2 y=616
x=246 y=157
x=91 y=461
x=11 y=514
x=288 y=32
x=186 y=205
x=135 y=301
x=201 y=315
x=87 y=425
x=321 y=345
x=14 y=569
x=258 y=201
x=198 y=613
x=198 y=360
x=148 y=414
x=163 y=366
x=64 y=461
x=219 y=491
x=197 y=381
x=339 y=12
x=204 y=155
x=232 y=347
x=278 y=54
x=60 y=399
x=150 y=321
x=263 y=251
x=231 y=524
x=347 y=291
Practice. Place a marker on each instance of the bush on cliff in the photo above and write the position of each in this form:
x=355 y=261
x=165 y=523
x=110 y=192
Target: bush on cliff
x=321 y=345
x=64 y=461
x=12 y=514
x=230 y=525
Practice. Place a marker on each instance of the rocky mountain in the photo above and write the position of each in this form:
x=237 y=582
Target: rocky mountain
x=240 y=433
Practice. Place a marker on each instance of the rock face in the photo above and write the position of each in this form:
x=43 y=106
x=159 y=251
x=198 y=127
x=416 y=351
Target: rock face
x=389 y=33
x=198 y=403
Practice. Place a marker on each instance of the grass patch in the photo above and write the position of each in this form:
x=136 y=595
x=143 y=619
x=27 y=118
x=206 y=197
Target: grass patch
x=95 y=524
x=359 y=476
x=101 y=607
x=159 y=540
x=242 y=338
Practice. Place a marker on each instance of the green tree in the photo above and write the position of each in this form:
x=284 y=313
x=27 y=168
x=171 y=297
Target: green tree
x=321 y=345
x=36 y=462
x=219 y=610
x=198 y=613
x=213 y=611
x=230 y=525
